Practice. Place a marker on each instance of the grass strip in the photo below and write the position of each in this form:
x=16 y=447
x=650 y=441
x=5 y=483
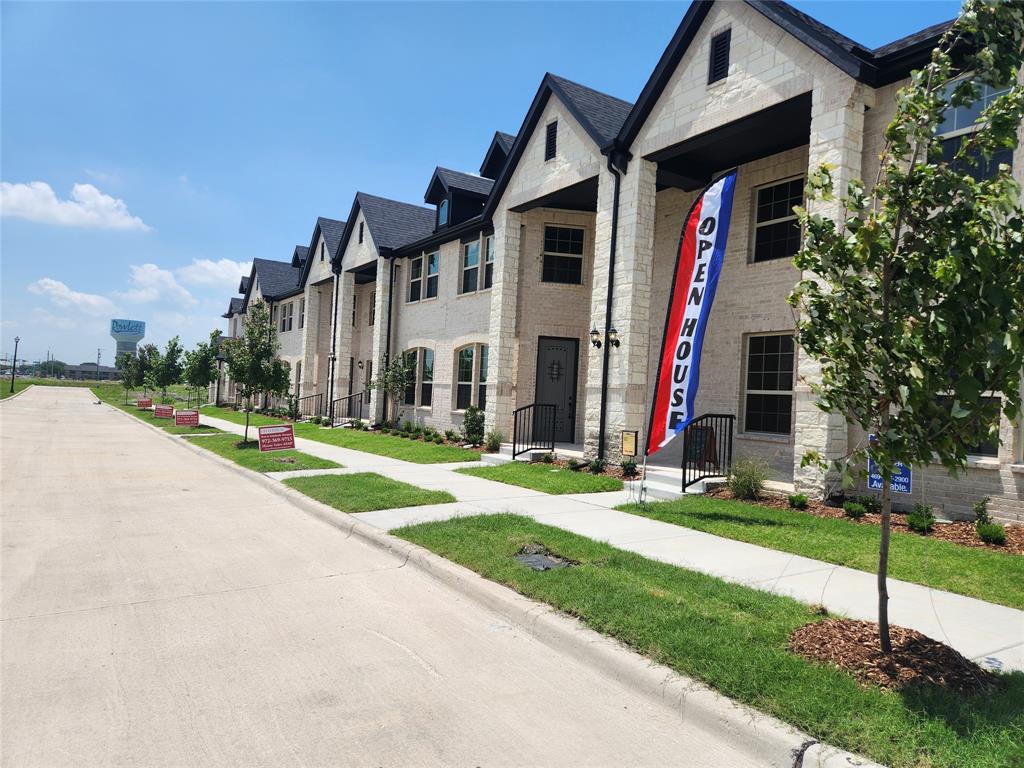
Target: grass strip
x=981 y=573
x=115 y=397
x=548 y=478
x=365 y=492
x=392 y=446
x=248 y=455
x=734 y=638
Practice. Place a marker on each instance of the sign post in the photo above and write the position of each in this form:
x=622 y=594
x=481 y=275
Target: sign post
x=279 y=437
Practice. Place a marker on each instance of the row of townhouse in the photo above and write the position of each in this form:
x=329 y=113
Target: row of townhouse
x=544 y=277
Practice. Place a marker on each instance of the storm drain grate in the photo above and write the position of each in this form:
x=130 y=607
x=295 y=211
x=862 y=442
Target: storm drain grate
x=540 y=559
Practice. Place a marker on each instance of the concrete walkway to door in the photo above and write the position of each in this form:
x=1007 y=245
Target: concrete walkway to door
x=991 y=634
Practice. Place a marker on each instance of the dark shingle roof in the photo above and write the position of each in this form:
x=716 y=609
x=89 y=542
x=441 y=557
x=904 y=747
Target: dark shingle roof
x=276 y=278
x=601 y=115
x=244 y=285
x=924 y=35
x=393 y=224
x=469 y=182
x=332 y=230
x=299 y=255
x=235 y=306
x=506 y=140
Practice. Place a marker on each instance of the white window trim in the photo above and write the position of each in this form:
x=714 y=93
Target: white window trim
x=756 y=434
x=426 y=275
x=302 y=314
x=408 y=292
x=755 y=224
x=582 y=257
x=475 y=382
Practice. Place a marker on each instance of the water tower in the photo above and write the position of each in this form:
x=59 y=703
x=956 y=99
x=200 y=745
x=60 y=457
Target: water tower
x=127 y=334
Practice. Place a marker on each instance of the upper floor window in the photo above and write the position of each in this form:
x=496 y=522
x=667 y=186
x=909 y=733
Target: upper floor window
x=776 y=229
x=551 y=141
x=423 y=276
x=563 y=255
x=360 y=231
x=718 y=66
x=442 y=213
x=959 y=123
x=302 y=313
x=488 y=262
x=287 y=314
x=470 y=267
x=768 y=405
x=373 y=307
x=355 y=308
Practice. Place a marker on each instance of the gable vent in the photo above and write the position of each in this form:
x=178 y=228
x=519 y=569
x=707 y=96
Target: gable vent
x=719 y=66
x=551 y=142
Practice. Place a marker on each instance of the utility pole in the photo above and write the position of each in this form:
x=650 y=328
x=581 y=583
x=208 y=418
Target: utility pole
x=14 y=367
x=97 y=364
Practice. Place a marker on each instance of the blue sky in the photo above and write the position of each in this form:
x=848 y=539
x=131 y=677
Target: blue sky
x=212 y=133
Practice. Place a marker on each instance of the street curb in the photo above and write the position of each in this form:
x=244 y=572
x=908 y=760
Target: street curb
x=759 y=735
x=17 y=394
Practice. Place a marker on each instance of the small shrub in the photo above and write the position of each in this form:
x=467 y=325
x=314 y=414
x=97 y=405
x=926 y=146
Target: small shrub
x=493 y=441
x=981 y=515
x=854 y=509
x=473 y=425
x=628 y=468
x=547 y=458
x=452 y=435
x=921 y=519
x=747 y=479
x=407 y=426
x=798 y=500
x=991 y=533
x=871 y=504
x=574 y=465
x=597 y=466
x=385 y=431
x=438 y=440
x=416 y=430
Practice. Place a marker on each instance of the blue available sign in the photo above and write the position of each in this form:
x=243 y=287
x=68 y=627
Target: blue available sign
x=902 y=481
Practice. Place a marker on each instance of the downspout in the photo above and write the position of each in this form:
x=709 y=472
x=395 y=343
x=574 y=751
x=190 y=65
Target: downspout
x=331 y=363
x=608 y=307
x=387 y=335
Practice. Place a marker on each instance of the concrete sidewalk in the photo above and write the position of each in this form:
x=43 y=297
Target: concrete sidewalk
x=993 y=635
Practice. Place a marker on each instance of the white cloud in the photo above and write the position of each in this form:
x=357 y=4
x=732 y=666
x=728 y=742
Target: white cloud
x=224 y=273
x=88 y=207
x=60 y=322
x=150 y=283
x=64 y=297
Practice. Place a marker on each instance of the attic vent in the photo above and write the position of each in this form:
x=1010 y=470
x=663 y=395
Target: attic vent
x=719 y=66
x=360 y=231
x=551 y=141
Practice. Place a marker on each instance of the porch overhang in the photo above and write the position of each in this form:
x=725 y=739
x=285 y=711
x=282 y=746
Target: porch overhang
x=581 y=196
x=691 y=164
x=365 y=273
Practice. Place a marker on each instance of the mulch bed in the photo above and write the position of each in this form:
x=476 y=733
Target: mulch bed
x=611 y=470
x=959 y=532
x=915 y=659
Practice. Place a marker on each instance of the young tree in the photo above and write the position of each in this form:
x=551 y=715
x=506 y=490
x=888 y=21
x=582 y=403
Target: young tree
x=167 y=368
x=393 y=378
x=147 y=358
x=129 y=371
x=252 y=358
x=200 y=369
x=915 y=308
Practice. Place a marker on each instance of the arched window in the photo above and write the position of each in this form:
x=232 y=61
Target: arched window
x=420 y=361
x=471 y=376
x=442 y=213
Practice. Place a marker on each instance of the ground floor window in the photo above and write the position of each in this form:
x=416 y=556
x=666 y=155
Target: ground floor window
x=471 y=376
x=988 y=448
x=410 y=356
x=421 y=362
x=768 y=405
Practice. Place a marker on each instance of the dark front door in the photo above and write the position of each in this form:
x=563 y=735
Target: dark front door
x=556 y=382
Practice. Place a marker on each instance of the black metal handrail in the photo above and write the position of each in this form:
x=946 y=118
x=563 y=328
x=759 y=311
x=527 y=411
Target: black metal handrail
x=194 y=398
x=347 y=409
x=311 y=405
x=533 y=428
x=707 y=447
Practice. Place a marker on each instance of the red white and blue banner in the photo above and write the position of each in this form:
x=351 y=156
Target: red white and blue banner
x=698 y=265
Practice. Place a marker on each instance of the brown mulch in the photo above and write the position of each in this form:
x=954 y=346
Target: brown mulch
x=611 y=470
x=959 y=532
x=915 y=658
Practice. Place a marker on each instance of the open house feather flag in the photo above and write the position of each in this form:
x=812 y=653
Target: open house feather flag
x=698 y=265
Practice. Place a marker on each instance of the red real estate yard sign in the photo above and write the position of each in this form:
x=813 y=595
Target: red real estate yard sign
x=186 y=418
x=164 y=411
x=280 y=437
x=144 y=403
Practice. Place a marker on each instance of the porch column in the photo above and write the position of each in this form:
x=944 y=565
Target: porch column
x=343 y=333
x=837 y=138
x=382 y=299
x=502 y=361
x=626 y=398
x=310 y=323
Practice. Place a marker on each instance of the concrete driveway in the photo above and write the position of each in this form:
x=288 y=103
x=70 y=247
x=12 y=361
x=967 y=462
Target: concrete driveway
x=159 y=609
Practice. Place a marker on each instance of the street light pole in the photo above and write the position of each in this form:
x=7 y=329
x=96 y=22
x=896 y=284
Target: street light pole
x=97 y=365
x=14 y=367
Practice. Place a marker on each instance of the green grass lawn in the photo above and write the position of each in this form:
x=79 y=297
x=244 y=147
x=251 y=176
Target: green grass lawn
x=251 y=458
x=366 y=491
x=734 y=638
x=987 y=575
x=548 y=478
x=402 y=448
x=115 y=397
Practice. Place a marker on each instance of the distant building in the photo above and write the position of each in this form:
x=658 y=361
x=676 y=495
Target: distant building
x=88 y=371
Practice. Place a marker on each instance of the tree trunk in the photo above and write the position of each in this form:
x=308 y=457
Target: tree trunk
x=883 y=568
x=245 y=438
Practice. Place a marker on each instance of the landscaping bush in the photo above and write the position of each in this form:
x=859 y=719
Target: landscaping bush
x=597 y=466
x=493 y=441
x=921 y=519
x=854 y=509
x=438 y=440
x=574 y=465
x=547 y=458
x=452 y=435
x=473 y=425
x=981 y=515
x=798 y=500
x=747 y=479
x=628 y=468
x=407 y=426
x=872 y=504
x=991 y=533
